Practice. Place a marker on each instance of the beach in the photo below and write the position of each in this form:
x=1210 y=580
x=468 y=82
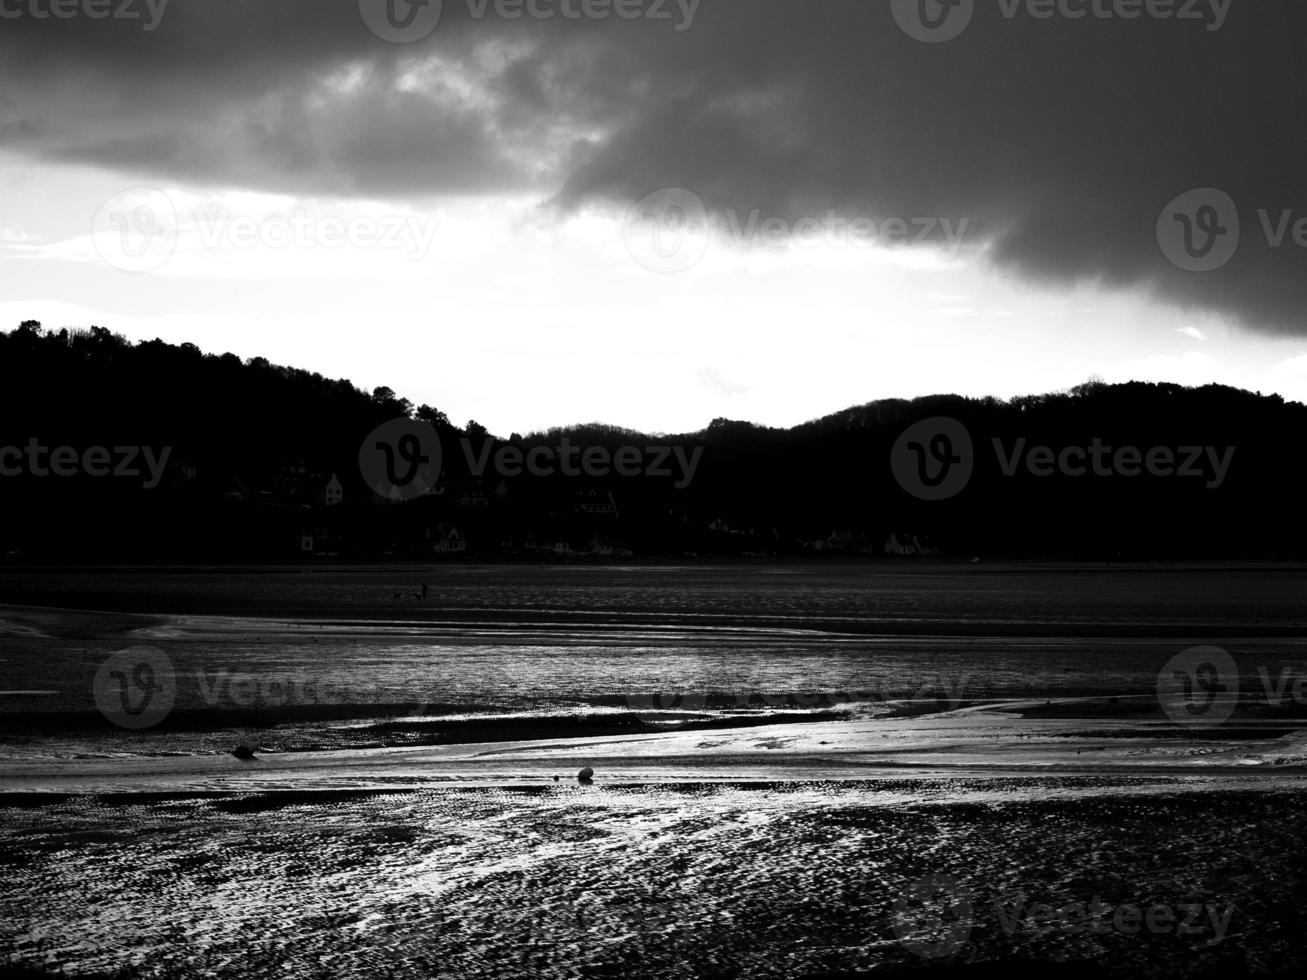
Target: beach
x=798 y=779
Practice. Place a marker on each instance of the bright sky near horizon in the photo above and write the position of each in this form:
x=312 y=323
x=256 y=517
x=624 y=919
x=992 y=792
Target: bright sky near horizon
x=453 y=217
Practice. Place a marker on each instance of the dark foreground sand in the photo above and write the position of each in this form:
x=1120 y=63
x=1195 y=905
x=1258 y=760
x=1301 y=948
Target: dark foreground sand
x=1152 y=876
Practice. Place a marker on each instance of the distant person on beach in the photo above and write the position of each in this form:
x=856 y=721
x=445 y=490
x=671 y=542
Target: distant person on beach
x=424 y=590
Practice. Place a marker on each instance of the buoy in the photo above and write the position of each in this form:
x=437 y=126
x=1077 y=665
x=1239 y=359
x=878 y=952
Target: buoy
x=586 y=775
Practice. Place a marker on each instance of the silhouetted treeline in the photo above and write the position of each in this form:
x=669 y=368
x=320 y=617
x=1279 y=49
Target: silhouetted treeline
x=254 y=448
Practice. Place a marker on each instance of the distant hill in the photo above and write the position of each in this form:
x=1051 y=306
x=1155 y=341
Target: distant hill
x=253 y=448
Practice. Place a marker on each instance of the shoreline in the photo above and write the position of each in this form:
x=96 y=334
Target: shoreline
x=1183 y=601
x=910 y=788
x=963 y=743
x=1096 y=716
x=77 y=619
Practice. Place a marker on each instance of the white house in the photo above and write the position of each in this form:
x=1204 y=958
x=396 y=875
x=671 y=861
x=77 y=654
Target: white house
x=333 y=494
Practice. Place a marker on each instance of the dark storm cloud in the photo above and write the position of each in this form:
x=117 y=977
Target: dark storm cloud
x=290 y=95
x=1062 y=140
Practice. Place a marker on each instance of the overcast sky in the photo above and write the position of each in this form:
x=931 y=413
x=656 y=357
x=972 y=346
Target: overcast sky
x=760 y=209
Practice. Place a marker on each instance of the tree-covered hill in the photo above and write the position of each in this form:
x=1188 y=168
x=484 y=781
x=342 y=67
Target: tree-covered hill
x=252 y=448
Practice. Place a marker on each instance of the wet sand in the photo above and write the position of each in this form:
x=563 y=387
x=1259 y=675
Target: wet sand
x=765 y=852
x=975 y=740
x=776 y=834
x=684 y=880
